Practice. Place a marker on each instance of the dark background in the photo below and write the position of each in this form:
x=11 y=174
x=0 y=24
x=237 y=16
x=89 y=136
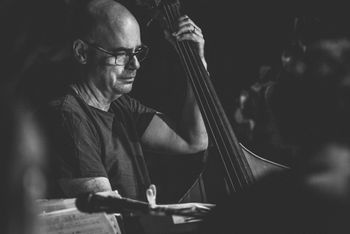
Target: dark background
x=239 y=39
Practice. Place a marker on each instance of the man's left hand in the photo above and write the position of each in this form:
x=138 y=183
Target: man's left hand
x=188 y=30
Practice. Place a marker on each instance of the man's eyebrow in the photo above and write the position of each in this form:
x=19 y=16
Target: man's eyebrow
x=123 y=49
x=120 y=49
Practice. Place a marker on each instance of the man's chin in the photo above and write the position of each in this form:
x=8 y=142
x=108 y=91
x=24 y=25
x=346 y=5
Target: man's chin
x=126 y=89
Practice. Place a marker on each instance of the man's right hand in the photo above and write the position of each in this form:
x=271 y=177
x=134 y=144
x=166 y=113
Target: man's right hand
x=113 y=193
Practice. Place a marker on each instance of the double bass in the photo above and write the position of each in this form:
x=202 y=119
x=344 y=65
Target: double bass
x=235 y=164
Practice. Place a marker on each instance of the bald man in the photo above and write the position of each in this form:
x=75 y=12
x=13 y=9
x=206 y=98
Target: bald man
x=100 y=131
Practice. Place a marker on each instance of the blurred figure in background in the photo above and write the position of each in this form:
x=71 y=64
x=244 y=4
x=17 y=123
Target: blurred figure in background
x=312 y=110
x=22 y=167
x=256 y=124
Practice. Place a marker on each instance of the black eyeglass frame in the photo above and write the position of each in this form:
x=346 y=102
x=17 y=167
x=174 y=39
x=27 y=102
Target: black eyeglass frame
x=143 y=48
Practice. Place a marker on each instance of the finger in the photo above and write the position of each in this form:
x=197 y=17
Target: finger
x=154 y=189
x=188 y=29
x=151 y=194
x=189 y=22
x=184 y=21
x=151 y=190
x=117 y=193
x=190 y=37
x=183 y=18
x=197 y=32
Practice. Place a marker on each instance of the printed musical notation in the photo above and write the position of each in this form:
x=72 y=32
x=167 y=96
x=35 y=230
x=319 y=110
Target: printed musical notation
x=72 y=221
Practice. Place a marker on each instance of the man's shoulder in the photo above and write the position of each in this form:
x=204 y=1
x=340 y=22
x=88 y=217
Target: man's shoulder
x=65 y=107
x=66 y=102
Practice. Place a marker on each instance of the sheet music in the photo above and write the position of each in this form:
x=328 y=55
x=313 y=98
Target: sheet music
x=72 y=221
x=49 y=205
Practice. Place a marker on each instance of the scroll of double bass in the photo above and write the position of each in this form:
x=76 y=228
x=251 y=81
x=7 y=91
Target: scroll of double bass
x=240 y=166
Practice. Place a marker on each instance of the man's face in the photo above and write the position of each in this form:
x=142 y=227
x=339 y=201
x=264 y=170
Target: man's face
x=111 y=79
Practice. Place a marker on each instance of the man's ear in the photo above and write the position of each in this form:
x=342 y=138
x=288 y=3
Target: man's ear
x=80 y=51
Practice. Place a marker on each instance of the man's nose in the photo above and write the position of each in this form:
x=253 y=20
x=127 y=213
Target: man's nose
x=133 y=63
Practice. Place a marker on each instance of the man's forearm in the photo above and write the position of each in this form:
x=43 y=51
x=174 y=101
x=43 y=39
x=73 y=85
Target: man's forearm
x=192 y=122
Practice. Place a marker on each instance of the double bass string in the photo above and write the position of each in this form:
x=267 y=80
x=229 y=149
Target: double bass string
x=230 y=137
x=183 y=52
x=242 y=164
x=167 y=13
x=204 y=74
x=192 y=79
x=227 y=129
x=201 y=71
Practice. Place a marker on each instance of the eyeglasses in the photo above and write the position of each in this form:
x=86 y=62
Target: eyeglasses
x=123 y=57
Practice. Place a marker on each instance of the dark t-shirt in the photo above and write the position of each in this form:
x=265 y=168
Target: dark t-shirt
x=93 y=143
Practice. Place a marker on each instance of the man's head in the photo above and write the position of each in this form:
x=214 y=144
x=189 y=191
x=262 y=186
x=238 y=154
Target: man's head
x=107 y=28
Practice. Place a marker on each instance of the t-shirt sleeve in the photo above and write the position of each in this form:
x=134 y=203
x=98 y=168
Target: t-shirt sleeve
x=142 y=115
x=78 y=154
